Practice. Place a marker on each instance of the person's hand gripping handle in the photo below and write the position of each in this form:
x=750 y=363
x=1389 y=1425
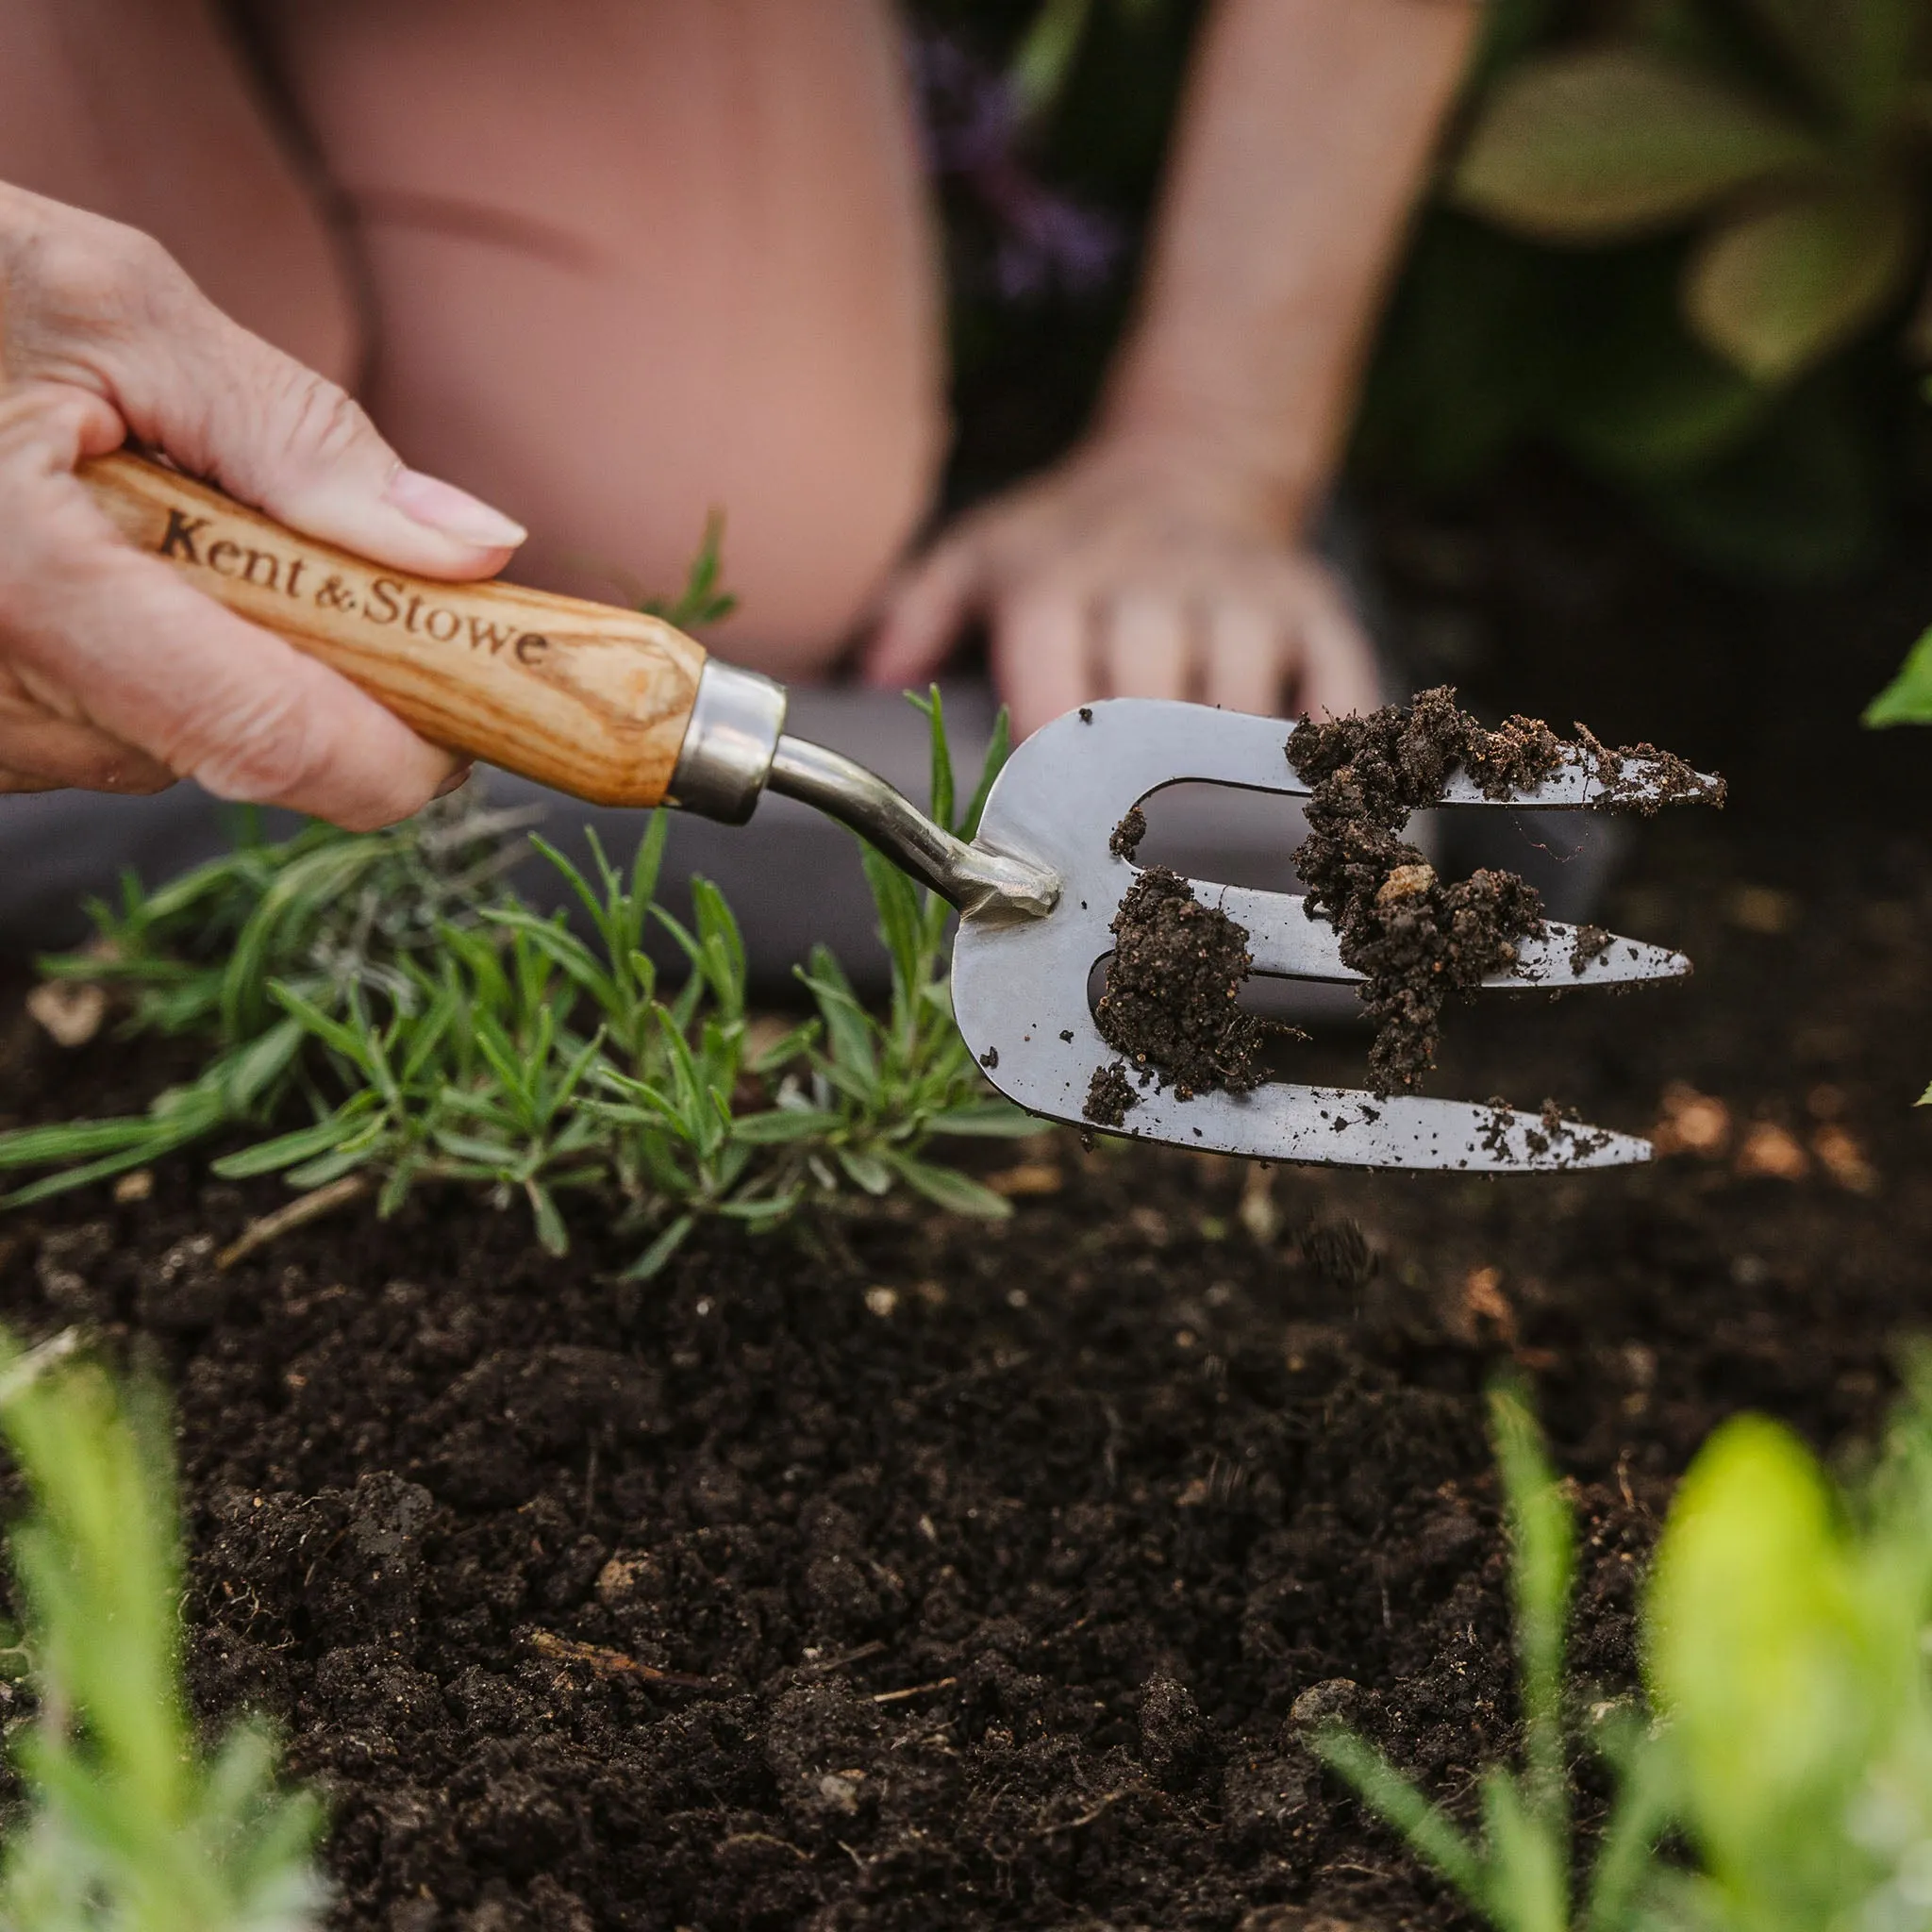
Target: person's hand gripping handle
x=592 y=700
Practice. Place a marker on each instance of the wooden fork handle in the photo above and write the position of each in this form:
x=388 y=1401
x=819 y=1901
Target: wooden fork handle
x=592 y=700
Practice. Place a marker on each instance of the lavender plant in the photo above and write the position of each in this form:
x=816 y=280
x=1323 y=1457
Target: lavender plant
x=437 y=1028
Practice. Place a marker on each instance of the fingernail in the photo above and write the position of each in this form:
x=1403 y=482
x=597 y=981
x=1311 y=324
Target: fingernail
x=457 y=779
x=440 y=505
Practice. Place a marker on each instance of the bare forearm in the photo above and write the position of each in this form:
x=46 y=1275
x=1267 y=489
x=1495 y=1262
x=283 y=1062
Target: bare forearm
x=1307 y=129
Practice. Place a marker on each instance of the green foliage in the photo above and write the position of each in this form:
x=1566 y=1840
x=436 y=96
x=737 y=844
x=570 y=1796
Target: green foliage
x=1907 y=699
x=1678 y=241
x=1784 y=1641
x=1517 y=1874
x=129 y=1825
x=434 y=1028
x=1786 y=1651
x=1790 y=132
x=1042 y=63
x=704 y=599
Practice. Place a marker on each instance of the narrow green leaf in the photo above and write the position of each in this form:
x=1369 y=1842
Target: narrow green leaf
x=778 y=1125
x=551 y=1231
x=947 y=1189
x=1542 y=1575
x=865 y=1169
x=985 y=1119
x=76 y=1140
x=652 y=1261
x=1528 y=1859
x=998 y=749
x=288 y=1150
x=1396 y=1800
x=783 y=1052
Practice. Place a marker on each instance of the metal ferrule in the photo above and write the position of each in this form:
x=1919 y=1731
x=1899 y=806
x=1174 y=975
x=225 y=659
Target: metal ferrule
x=727 y=754
x=735 y=746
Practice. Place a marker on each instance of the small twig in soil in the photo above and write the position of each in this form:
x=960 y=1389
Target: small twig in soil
x=298 y=1213
x=819 y=1666
x=763 y=1838
x=914 y=1691
x=1086 y=1817
x=571 y=1651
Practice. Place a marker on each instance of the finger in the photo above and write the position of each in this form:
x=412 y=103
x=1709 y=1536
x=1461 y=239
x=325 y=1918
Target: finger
x=1247 y=658
x=1041 y=656
x=51 y=751
x=1145 y=647
x=924 y=615
x=100 y=634
x=1338 y=675
x=119 y=316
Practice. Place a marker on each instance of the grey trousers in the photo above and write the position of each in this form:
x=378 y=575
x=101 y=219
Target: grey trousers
x=792 y=876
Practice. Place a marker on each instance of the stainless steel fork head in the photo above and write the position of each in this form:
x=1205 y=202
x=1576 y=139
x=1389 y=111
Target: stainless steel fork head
x=1020 y=983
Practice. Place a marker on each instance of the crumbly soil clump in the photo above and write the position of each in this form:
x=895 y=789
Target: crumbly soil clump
x=1109 y=1095
x=1415 y=938
x=1641 y=778
x=1170 y=1004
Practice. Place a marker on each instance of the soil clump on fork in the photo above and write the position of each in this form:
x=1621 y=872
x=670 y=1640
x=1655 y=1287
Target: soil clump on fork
x=1170 y=1001
x=1417 y=939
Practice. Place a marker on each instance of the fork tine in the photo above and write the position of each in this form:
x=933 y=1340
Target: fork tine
x=1578 y=784
x=1343 y=1127
x=1289 y=941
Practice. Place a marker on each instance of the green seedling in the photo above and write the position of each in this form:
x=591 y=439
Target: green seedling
x=704 y=599
x=436 y=1028
x=129 y=1823
x=1785 y=1650
x=1784 y=1635
x=1516 y=1872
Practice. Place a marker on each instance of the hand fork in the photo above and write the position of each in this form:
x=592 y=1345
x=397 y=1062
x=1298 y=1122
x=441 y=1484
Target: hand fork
x=621 y=709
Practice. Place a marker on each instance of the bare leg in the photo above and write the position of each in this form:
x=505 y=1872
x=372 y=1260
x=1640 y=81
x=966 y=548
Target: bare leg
x=635 y=258
x=143 y=110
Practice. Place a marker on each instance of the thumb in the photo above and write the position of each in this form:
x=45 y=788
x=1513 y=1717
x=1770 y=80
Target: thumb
x=233 y=408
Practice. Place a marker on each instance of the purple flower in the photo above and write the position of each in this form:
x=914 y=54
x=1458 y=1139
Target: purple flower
x=973 y=133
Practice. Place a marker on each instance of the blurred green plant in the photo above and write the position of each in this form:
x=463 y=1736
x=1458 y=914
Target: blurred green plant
x=1784 y=1636
x=704 y=598
x=1785 y=1652
x=1670 y=241
x=129 y=1823
x=1793 y=135
x=1907 y=699
x=435 y=1028
x=1517 y=1872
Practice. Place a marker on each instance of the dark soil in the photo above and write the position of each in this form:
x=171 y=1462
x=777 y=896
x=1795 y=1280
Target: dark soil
x=1417 y=939
x=917 y=1574
x=912 y=1574
x=1170 y=1004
